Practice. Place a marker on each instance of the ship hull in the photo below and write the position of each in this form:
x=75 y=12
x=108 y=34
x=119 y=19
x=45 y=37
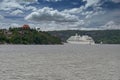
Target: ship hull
x=75 y=42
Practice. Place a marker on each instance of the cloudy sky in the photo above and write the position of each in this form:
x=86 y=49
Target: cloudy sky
x=61 y=14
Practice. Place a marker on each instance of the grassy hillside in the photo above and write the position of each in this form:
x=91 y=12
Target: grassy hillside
x=26 y=36
x=105 y=36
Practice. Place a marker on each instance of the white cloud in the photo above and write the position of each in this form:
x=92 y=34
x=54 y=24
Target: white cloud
x=15 y=25
x=16 y=12
x=1 y=17
x=10 y=4
x=91 y=2
x=82 y=11
x=77 y=24
x=90 y=14
x=31 y=8
x=4 y=25
x=74 y=10
x=7 y=25
x=49 y=14
x=16 y=4
x=111 y=25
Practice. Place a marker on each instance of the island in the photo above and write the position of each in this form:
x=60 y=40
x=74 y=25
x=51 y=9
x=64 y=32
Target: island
x=26 y=35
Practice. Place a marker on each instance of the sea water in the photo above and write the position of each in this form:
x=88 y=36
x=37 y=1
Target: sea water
x=60 y=62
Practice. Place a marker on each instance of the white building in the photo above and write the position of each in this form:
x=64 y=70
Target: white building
x=77 y=39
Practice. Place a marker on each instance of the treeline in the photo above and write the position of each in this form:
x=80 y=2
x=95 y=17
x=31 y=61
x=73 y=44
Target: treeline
x=26 y=36
x=104 y=36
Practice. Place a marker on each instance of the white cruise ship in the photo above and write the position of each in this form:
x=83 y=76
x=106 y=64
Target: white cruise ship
x=77 y=39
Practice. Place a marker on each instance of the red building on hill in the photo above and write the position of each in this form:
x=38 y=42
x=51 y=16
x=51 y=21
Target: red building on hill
x=25 y=26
